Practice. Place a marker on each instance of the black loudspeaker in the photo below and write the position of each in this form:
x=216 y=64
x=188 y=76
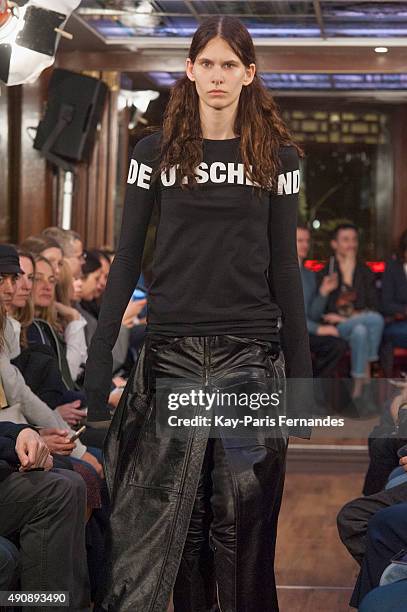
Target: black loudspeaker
x=74 y=108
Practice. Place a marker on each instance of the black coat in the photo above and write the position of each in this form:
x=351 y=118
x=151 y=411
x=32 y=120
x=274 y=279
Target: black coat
x=394 y=289
x=363 y=283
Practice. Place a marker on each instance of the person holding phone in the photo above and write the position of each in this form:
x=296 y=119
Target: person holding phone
x=52 y=534
x=225 y=308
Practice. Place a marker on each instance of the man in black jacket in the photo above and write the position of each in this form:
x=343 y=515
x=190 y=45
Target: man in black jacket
x=47 y=510
x=353 y=305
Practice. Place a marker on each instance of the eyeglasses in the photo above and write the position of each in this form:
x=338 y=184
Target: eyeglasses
x=13 y=277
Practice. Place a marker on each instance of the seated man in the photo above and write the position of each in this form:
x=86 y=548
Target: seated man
x=325 y=343
x=47 y=509
x=386 y=536
x=352 y=306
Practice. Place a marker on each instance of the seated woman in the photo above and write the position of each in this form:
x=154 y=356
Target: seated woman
x=23 y=406
x=38 y=363
x=394 y=296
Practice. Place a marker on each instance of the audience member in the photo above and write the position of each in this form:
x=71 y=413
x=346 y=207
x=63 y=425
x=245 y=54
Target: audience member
x=326 y=346
x=353 y=305
x=52 y=534
x=394 y=296
x=48 y=248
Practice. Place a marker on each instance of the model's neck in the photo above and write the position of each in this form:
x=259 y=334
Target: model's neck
x=218 y=124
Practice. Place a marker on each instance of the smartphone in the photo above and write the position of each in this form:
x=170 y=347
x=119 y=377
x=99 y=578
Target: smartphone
x=76 y=435
x=331 y=268
x=401 y=557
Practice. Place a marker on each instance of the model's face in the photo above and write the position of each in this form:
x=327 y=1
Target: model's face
x=103 y=277
x=219 y=74
x=346 y=243
x=55 y=257
x=44 y=284
x=303 y=242
x=90 y=284
x=24 y=284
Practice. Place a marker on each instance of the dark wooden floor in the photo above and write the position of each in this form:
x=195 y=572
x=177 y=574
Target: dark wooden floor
x=313 y=569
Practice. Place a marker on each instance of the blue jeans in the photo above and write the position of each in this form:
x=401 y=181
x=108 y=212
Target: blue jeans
x=363 y=332
x=390 y=598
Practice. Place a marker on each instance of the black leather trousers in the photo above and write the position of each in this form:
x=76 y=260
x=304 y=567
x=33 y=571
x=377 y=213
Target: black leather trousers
x=228 y=555
x=195 y=516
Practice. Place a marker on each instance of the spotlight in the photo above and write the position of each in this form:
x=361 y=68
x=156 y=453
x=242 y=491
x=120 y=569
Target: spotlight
x=381 y=49
x=29 y=37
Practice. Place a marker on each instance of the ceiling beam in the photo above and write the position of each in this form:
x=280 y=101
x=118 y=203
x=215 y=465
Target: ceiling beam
x=277 y=59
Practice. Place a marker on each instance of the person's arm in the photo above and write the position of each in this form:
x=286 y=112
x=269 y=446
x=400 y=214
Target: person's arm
x=389 y=304
x=284 y=275
x=123 y=276
x=35 y=411
x=76 y=349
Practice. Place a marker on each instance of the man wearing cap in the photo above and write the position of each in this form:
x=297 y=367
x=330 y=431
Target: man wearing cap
x=9 y=273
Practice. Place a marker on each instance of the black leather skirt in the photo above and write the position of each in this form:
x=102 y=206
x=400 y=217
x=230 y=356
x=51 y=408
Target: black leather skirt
x=193 y=514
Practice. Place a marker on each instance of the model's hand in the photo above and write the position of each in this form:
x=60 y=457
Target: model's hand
x=57 y=441
x=89 y=458
x=329 y=283
x=327 y=330
x=32 y=451
x=333 y=318
x=71 y=412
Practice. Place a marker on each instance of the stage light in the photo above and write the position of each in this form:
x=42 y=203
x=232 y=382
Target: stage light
x=381 y=49
x=29 y=37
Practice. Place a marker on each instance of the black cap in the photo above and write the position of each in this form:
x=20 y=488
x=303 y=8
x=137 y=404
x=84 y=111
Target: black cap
x=9 y=260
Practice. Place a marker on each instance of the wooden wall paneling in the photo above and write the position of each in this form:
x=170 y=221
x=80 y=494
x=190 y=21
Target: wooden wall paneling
x=35 y=197
x=5 y=218
x=101 y=182
x=112 y=153
x=79 y=203
x=91 y=203
x=399 y=217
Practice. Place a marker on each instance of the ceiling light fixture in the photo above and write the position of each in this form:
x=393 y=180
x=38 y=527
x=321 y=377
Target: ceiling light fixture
x=29 y=37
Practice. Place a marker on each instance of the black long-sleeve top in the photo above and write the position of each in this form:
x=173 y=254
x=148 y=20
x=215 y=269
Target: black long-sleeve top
x=394 y=288
x=225 y=258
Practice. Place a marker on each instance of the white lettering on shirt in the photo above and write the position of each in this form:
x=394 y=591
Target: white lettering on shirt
x=140 y=174
x=288 y=183
x=215 y=176
x=217 y=172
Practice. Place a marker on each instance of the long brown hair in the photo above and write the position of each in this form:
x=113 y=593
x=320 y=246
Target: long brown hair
x=25 y=314
x=261 y=129
x=49 y=313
